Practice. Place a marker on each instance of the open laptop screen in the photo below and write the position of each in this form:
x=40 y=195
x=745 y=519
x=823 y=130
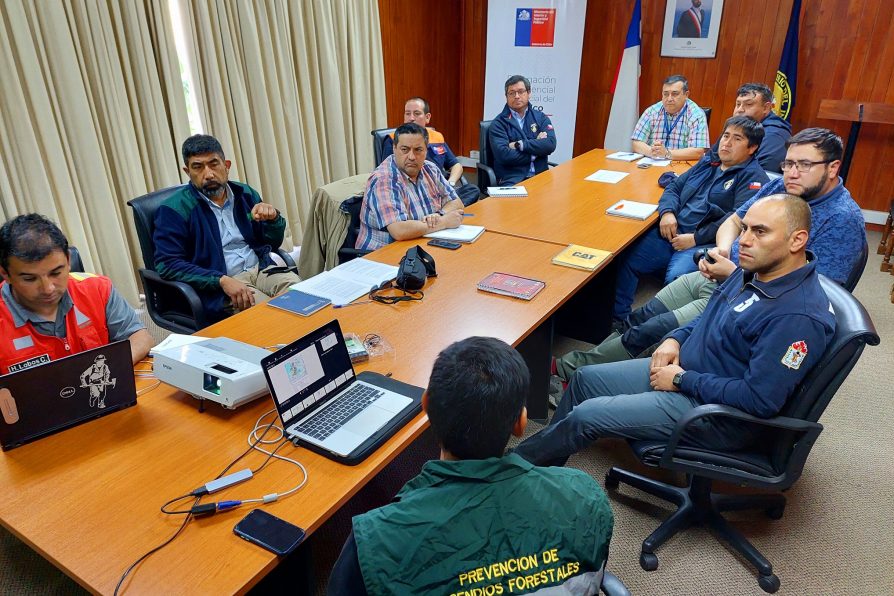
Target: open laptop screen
x=304 y=374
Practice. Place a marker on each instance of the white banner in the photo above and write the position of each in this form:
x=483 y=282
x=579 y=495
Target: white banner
x=540 y=40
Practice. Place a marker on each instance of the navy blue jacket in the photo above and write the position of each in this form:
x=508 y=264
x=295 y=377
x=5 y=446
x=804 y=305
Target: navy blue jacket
x=724 y=193
x=512 y=166
x=756 y=341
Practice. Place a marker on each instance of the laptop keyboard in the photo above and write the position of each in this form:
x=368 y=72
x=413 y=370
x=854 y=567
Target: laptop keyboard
x=347 y=406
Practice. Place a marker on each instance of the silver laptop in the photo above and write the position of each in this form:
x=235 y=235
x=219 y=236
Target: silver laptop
x=318 y=397
x=44 y=399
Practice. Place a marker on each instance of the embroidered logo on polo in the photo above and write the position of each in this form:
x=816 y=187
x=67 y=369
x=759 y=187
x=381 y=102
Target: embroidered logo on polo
x=795 y=355
x=746 y=303
x=728 y=184
x=534 y=127
x=43 y=359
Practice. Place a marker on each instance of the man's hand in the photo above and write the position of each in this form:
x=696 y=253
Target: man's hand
x=514 y=145
x=720 y=270
x=662 y=377
x=668 y=226
x=263 y=212
x=238 y=293
x=452 y=219
x=542 y=135
x=432 y=220
x=658 y=150
x=667 y=353
x=683 y=241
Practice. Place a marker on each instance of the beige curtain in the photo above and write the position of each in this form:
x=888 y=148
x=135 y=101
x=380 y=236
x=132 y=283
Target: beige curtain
x=91 y=114
x=291 y=89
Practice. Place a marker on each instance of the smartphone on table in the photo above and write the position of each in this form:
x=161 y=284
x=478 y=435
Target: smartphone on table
x=448 y=244
x=270 y=532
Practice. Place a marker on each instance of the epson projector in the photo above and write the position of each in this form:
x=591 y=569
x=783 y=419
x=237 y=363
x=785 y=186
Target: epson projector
x=222 y=370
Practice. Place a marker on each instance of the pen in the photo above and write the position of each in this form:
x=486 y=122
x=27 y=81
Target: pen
x=468 y=214
x=351 y=304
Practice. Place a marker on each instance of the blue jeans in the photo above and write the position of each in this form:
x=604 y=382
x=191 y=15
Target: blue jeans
x=648 y=256
x=616 y=400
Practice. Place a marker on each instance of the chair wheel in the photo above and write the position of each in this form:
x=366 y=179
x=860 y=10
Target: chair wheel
x=768 y=583
x=649 y=562
x=775 y=512
x=611 y=482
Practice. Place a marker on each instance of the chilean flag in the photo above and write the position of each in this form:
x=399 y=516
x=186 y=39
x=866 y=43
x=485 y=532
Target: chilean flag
x=625 y=90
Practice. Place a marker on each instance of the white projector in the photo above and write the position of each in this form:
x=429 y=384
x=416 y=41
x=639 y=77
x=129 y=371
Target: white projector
x=222 y=370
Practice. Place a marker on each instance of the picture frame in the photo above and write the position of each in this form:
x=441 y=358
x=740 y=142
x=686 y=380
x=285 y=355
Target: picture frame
x=691 y=28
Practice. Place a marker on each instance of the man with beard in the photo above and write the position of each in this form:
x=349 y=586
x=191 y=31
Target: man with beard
x=217 y=235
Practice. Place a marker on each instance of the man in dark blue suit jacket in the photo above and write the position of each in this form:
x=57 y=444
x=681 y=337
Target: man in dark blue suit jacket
x=521 y=136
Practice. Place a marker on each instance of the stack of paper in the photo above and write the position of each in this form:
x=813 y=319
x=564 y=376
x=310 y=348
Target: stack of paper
x=632 y=209
x=463 y=233
x=348 y=281
x=654 y=162
x=507 y=191
x=624 y=156
x=609 y=176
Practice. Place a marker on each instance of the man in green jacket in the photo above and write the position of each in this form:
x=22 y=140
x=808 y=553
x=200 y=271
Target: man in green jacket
x=476 y=521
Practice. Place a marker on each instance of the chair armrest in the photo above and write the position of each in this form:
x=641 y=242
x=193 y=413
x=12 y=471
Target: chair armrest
x=350 y=253
x=153 y=283
x=486 y=177
x=612 y=586
x=552 y=164
x=290 y=262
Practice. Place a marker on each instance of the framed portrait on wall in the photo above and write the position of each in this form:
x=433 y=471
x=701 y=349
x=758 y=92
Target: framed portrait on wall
x=691 y=28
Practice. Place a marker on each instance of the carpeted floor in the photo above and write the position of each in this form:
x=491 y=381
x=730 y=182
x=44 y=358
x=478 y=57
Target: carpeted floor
x=836 y=537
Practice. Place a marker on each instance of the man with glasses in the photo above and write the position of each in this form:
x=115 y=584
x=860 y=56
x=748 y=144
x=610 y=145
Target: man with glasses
x=673 y=128
x=837 y=237
x=521 y=136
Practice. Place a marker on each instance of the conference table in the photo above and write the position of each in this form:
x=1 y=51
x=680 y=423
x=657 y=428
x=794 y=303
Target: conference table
x=88 y=498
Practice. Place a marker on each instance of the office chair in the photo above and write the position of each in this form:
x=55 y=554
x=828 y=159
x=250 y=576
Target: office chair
x=857 y=272
x=172 y=305
x=351 y=206
x=379 y=135
x=707 y=112
x=74 y=260
x=486 y=175
x=774 y=464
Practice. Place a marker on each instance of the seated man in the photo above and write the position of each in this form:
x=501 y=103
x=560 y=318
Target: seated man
x=417 y=110
x=756 y=101
x=691 y=210
x=217 y=235
x=761 y=333
x=673 y=128
x=47 y=312
x=476 y=509
x=837 y=237
x=406 y=196
x=521 y=136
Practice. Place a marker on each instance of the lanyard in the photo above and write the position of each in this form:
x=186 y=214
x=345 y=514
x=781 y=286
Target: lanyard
x=669 y=127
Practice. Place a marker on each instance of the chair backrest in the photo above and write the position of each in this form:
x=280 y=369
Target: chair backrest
x=857 y=272
x=144 y=209
x=352 y=206
x=379 y=135
x=707 y=115
x=75 y=262
x=486 y=156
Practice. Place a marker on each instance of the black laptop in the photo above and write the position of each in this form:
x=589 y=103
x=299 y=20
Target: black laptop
x=45 y=399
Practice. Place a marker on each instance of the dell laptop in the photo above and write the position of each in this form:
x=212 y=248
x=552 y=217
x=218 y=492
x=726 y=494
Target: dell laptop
x=50 y=397
x=324 y=405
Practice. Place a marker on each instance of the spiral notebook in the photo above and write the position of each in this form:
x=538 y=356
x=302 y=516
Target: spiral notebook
x=507 y=284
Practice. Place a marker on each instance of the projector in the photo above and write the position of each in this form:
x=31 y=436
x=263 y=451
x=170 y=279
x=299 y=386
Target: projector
x=220 y=369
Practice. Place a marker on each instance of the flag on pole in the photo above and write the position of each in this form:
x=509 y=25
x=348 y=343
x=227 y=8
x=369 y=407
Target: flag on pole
x=786 y=76
x=625 y=90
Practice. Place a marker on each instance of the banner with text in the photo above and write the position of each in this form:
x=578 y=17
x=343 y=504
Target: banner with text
x=541 y=40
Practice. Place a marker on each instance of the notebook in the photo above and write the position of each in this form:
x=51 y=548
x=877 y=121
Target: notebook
x=624 y=156
x=632 y=209
x=581 y=257
x=463 y=233
x=511 y=285
x=507 y=191
x=44 y=399
x=299 y=302
x=325 y=406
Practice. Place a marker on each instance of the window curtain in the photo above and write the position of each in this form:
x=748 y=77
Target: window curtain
x=291 y=89
x=91 y=115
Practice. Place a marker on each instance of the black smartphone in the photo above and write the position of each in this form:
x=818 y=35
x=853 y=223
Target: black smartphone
x=444 y=244
x=643 y=166
x=268 y=531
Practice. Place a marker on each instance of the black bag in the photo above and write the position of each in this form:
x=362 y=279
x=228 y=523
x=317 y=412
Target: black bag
x=414 y=268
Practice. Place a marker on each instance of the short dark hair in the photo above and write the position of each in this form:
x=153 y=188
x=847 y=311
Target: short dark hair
x=516 y=79
x=797 y=211
x=755 y=89
x=754 y=130
x=410 y=128
x=477 y=390
x=676 y=79
x=201 y=145
x=828 y=143
x=30 y=238
x=425 y=107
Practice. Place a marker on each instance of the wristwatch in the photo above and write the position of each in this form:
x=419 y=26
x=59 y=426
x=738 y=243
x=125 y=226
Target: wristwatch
x=678 y=379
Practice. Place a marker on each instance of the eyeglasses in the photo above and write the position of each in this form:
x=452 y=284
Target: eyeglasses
x=408 y=294
x=803 y=165
x=516 y=93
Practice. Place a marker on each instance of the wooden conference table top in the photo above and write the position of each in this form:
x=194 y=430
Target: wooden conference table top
x=88 y=498
x=564 y=208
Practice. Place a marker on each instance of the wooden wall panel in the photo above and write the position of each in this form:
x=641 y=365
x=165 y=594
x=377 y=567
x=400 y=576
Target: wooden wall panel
x=845 y=53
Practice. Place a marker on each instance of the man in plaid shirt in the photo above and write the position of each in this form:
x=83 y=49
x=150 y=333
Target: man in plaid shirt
x=673 y=128
x=406 y=196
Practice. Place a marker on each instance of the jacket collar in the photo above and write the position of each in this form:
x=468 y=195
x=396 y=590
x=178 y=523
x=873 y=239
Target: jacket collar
x=781 y=285
x=493 y=469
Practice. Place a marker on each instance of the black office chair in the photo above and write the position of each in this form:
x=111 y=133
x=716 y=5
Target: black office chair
x=857 y=272
x=379 y=135
x=486 y=175
x=774 y=464
x=347 y=252
x=707 y=112
x=74 y=260
x=173 y=305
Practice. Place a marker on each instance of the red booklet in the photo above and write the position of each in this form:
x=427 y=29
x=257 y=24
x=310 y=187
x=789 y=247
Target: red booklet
x=511 y=285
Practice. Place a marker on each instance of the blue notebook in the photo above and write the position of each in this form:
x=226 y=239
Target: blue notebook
x=299 y=302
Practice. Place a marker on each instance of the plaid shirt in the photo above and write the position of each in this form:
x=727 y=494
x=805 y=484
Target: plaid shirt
x=391 y=196
x=690 y=131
